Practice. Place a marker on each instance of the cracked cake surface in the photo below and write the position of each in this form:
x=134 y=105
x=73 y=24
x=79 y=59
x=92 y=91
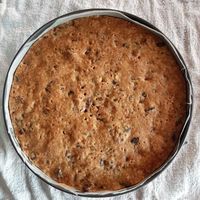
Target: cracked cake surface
x=98 y=103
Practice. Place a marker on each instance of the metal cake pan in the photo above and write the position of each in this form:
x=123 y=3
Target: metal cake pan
x=65 y=18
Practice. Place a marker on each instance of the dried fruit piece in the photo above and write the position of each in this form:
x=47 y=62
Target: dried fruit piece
x=126 y=45
x=33 y=156
x=88 y=51
x=70 y=157
x=46 y=110
x=21 y=131
x=19 y=100
x=70 y=93
x=135 y=140
x=86 y=186
x=125 y=184
x=149 y=109
x=143 y=97
x=16 y=78
x=49 y=86
x=58 y=173
x=101 y=162
x=127 y=129
x=160 y=44
x=114 y=82
x=88 y=103
x=144 y=94
x=66 y=54
x=128 y=158
x=78 y=145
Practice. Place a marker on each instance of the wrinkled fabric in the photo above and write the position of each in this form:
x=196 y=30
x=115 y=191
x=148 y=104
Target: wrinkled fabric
x=179 y=20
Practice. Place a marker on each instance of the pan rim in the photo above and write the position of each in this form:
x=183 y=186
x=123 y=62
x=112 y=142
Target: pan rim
x=129 y=17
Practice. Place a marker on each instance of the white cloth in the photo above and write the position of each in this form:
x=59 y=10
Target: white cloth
x=179 y=20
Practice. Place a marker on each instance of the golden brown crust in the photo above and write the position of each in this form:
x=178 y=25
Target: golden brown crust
x=98 y=103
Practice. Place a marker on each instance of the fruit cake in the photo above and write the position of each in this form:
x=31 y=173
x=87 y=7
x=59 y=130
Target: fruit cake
x=98 y=103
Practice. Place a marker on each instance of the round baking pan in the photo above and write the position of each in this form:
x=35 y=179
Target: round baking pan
x=65 y=18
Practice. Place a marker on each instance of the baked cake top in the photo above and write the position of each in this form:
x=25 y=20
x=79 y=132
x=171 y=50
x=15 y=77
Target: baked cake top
x=98 y=103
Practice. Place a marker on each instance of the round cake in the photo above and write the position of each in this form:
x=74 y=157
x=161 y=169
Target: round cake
x=98 y=103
